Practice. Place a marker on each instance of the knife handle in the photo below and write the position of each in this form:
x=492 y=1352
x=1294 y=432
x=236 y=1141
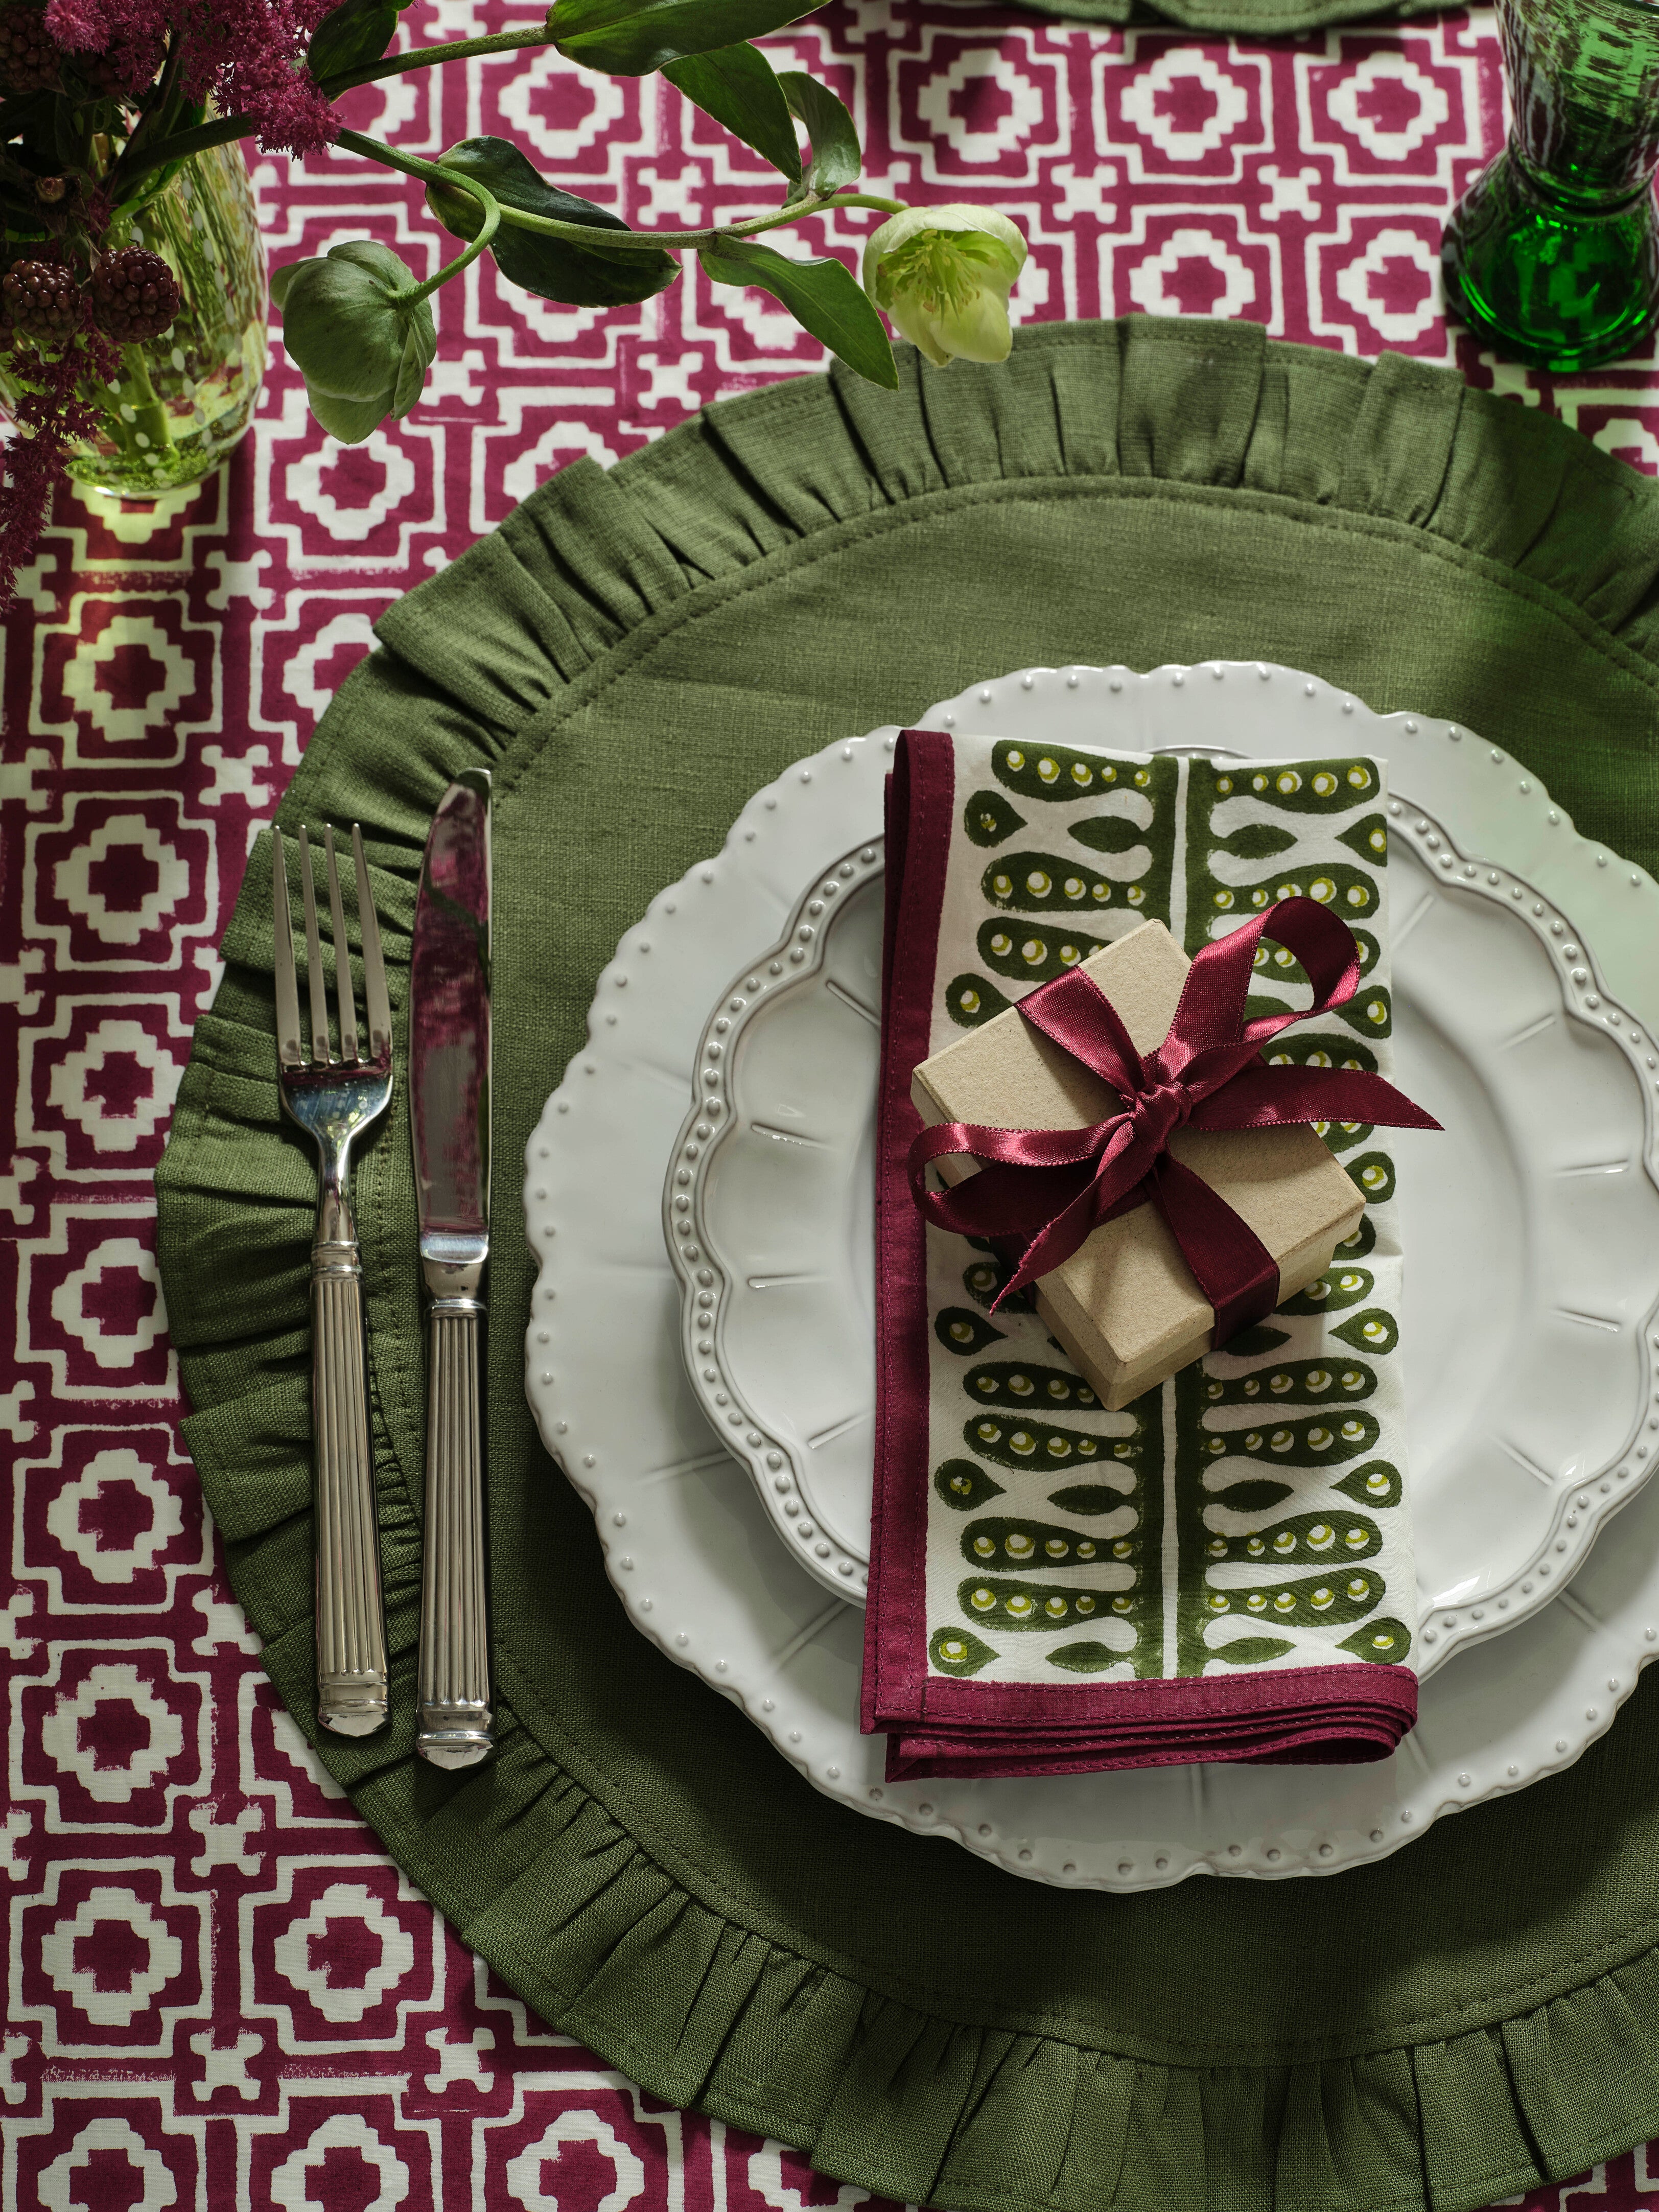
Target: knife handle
x=351 y=1665
x=455 y=1715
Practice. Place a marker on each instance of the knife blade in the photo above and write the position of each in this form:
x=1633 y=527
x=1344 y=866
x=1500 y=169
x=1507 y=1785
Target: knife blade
x=449 y=1040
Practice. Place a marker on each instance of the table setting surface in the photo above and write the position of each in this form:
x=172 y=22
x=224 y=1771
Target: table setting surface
x=247 y=1969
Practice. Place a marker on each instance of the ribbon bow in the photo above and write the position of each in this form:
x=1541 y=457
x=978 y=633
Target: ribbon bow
x=1047 y=1190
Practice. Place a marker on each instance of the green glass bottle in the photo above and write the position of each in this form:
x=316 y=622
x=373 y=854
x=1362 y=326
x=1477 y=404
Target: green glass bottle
x=1551 y=254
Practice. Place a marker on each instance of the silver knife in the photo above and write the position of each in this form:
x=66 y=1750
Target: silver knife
x=449 y=1120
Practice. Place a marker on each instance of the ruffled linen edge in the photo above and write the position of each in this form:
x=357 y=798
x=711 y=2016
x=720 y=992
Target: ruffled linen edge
x=1245 y=18
x=628 y=1955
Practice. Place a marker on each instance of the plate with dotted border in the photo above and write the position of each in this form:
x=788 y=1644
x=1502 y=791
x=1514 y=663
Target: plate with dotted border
x=1524 y=1397
x=688 y=1542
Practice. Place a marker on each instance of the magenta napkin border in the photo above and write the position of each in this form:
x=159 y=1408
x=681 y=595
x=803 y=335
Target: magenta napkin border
x=943 y=1727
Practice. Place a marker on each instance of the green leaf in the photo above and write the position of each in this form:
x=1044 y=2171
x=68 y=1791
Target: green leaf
x=630 y=38
x=958 y=1651
x=959 y=1330
x=1021 y=1383
x=1253 y=1496
x=736 y=86
x=1374 y=1330
x=836 y=157
x=1357 y=1246
x=1252 y=1650
x=963 y=1485
x=1039 y=1608
x=551 y=268
x=22 y=221
x=970 y=1000
x=1253 y=1343
x=988 y=819
x=1084 y=1499
x=1376 y=1484
x=1294 y=1383
x=824 y=298
x=25 y=114
x=1090 y=1658
x=1329 y=1292
x=1255 y=841
x=1384 y=1642
x=66 y=132
x=1108 y=833
x=351 y=36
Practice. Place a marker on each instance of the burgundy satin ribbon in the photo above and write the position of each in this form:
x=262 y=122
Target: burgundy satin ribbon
x=1049 y=1189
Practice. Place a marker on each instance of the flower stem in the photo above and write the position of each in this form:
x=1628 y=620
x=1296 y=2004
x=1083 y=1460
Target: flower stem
x=228 y=128
x=612 y=241
x=457 y=50
x=151 y=417
x=487 y=229
x=181 y=145
x=159 y=102
x=231 y=127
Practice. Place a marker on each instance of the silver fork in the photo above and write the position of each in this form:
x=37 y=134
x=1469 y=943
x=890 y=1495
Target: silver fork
x=334 y=1099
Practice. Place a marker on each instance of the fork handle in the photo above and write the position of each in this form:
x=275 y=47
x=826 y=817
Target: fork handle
x=455 y=1715
x=351 y=1662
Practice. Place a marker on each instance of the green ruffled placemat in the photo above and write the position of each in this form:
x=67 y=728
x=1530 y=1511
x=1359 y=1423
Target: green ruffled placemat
x=634 y=653
x=1250 y=19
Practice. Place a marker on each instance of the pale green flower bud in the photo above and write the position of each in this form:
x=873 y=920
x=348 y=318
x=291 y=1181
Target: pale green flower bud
x=942 y=276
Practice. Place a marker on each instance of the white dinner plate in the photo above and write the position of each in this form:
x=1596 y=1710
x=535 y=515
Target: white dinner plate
x=1519 y=1268
x=1524 y=1391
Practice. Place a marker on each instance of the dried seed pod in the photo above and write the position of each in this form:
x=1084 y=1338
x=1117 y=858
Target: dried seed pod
x=40 y=298
x=135 y=295
x=29 y=60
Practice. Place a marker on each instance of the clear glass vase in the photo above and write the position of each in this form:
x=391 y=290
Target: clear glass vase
x=1552 y=254
x=181 y=401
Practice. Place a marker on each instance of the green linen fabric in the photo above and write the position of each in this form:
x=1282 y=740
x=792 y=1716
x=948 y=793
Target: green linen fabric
x=634 y=653
x=1254 y=19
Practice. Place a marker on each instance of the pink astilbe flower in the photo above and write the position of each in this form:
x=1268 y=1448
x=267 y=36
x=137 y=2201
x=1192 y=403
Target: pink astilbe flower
x=83 y=26
x=125 y=69
x=49 y=416
x=247 y=56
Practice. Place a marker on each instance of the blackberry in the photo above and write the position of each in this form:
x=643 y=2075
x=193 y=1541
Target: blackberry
x=135 y=295
x=29 y=60
x=41 y=298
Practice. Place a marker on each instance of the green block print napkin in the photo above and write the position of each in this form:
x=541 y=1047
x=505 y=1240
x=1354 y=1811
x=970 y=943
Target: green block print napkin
x=1224 y=1569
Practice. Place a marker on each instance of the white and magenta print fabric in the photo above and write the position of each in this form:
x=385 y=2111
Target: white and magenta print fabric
x=219 y=1992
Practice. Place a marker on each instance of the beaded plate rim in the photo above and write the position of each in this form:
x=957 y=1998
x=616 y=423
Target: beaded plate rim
x=707 y=1271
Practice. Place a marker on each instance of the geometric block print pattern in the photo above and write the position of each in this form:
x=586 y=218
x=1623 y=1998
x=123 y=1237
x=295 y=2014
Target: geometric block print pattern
x=1254 y=1490
x=218 y=1990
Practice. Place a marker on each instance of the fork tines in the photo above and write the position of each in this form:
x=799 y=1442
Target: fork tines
x=290 y=1048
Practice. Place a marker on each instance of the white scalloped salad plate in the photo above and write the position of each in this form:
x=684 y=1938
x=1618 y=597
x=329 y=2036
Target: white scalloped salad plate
x=1532 y=1276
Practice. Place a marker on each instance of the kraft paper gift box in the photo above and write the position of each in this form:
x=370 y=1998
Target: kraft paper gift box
x=1126 y=1306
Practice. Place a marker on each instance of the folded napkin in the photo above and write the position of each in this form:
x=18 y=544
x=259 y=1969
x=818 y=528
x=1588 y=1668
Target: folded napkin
x=1222 y=1570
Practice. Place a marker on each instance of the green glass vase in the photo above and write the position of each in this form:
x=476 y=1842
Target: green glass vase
x=1552 y=255
x=181 y=401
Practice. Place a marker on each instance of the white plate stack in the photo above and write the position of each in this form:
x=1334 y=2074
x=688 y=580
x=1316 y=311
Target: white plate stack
x=714 y=1408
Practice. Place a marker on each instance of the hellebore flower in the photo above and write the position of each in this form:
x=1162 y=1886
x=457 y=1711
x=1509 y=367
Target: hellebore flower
x=942 y=276
x=357 y=333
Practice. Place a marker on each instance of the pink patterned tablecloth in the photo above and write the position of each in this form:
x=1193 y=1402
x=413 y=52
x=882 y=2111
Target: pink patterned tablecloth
x=221 y=1992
